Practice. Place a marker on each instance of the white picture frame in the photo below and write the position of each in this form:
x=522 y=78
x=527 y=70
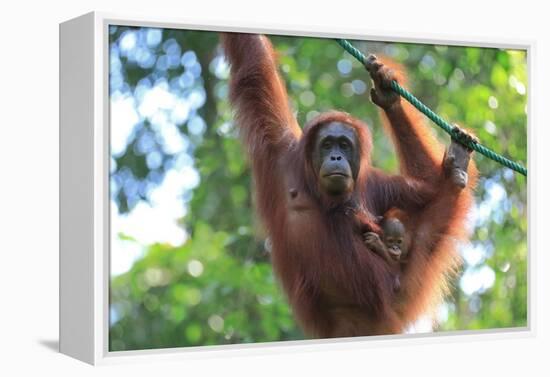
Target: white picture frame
x=84 y=185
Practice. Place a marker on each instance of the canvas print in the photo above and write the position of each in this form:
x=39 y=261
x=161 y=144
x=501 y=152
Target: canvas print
x=272 y=188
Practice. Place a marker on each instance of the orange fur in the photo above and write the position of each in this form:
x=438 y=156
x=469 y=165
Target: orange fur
x=336 y=286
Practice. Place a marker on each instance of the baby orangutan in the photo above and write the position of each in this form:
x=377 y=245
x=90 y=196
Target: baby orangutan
x=393 y=245
x=394 y=242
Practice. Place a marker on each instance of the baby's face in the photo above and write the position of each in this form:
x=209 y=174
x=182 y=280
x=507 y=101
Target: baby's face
x=394 y=237
x=393 y=241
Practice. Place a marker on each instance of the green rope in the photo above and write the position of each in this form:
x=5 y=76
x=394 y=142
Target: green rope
x=450 y=129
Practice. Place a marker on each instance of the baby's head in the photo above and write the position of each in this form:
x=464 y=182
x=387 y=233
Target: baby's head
x=395 y=237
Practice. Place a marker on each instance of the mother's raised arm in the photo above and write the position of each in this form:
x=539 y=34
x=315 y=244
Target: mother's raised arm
x=418 y=150
x=259 y=96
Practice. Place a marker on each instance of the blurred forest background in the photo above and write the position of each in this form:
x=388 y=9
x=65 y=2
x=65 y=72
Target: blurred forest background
x=188 y=261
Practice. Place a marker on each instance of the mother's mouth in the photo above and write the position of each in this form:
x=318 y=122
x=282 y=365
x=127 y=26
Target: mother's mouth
x=336 y=174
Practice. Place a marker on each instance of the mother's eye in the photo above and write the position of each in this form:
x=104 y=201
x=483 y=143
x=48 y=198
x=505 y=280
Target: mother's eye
x=344 y=145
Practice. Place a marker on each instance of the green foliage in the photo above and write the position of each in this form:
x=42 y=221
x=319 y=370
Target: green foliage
x=196 y=294
x=218 y=287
